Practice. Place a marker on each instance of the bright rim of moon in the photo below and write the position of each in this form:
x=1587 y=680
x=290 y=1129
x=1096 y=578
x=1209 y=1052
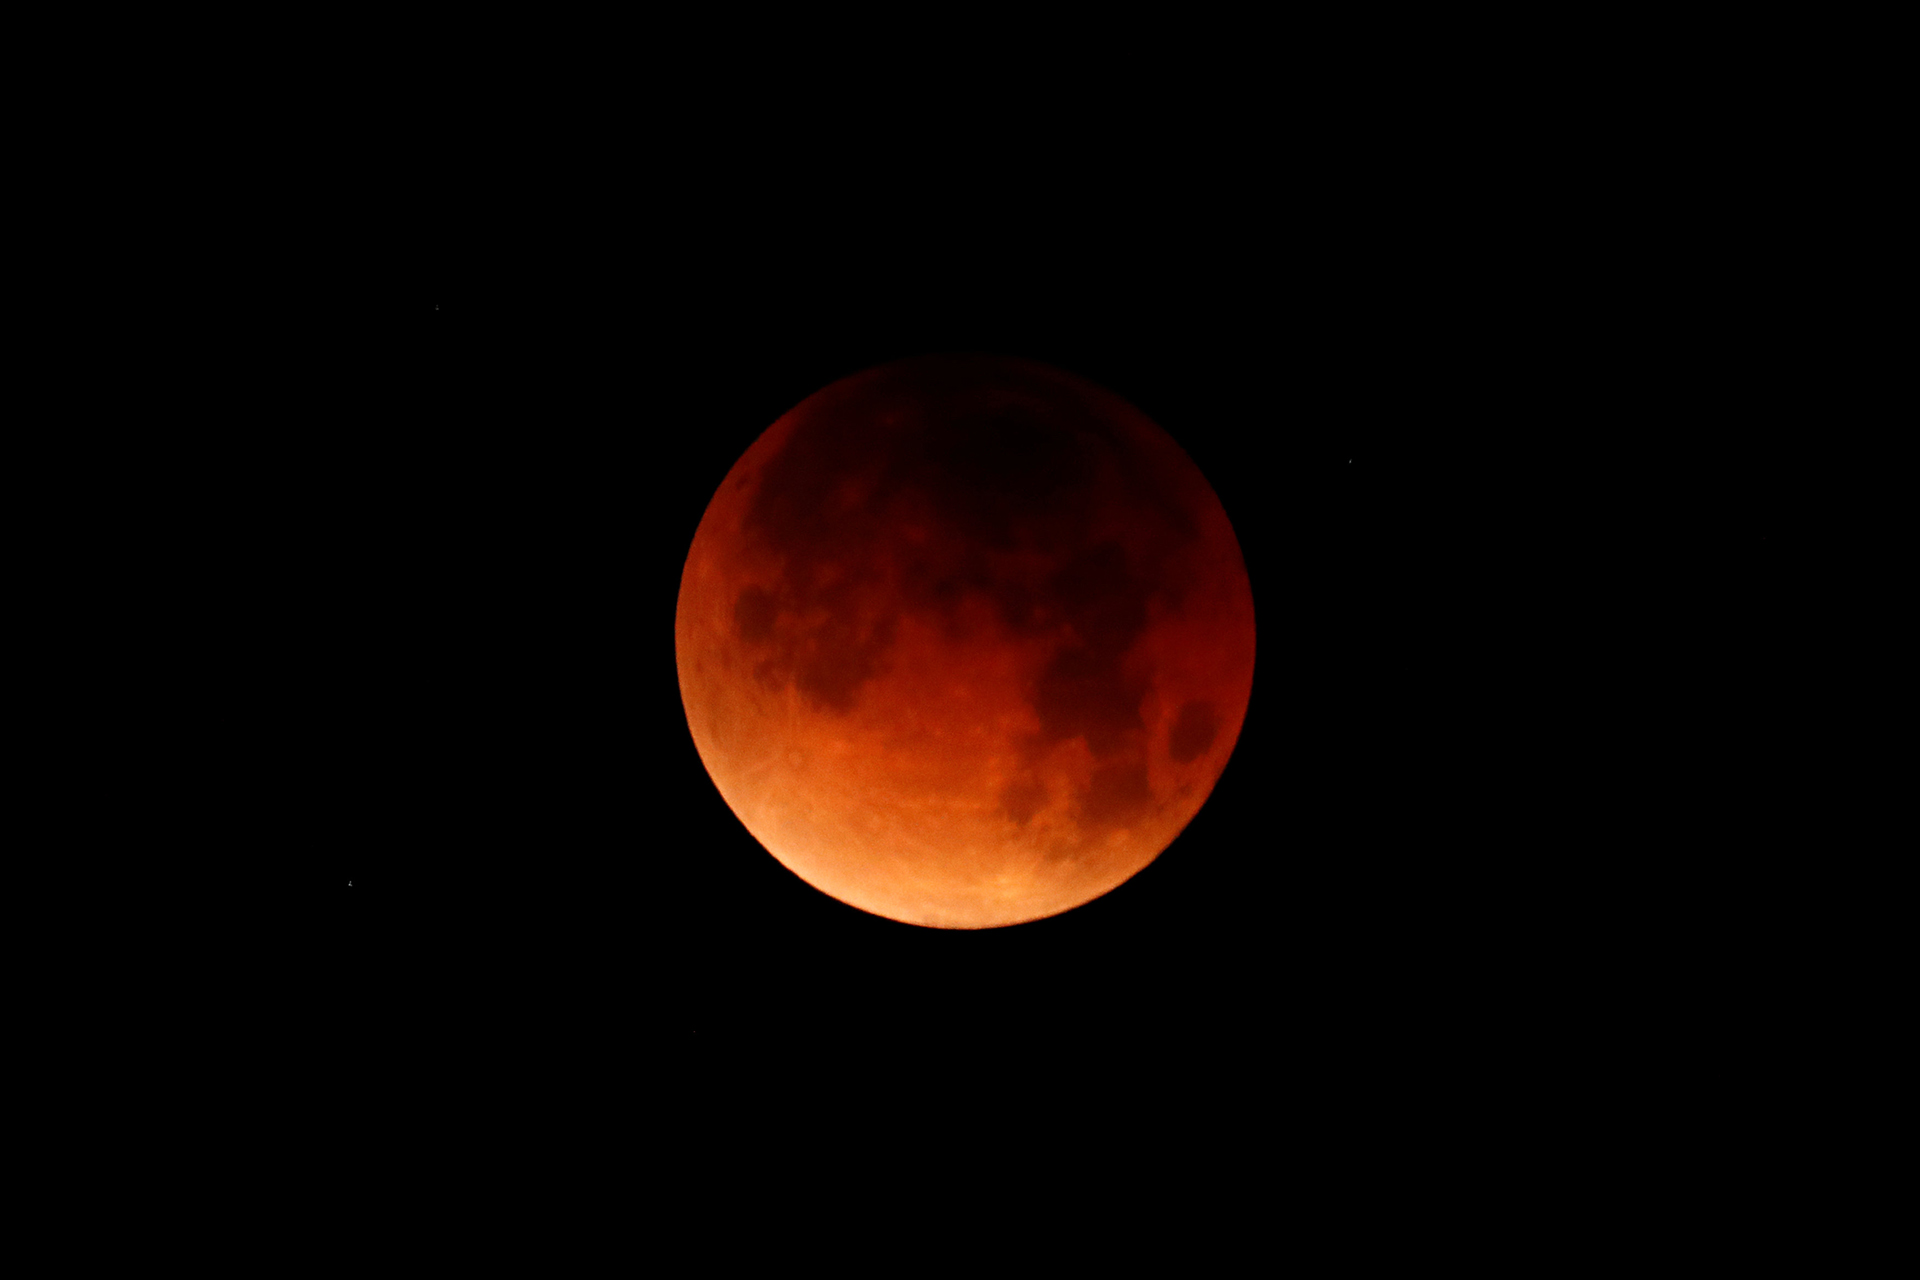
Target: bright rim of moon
x=965 y=641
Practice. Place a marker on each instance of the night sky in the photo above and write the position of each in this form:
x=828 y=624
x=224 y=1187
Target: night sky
x=1497 y=625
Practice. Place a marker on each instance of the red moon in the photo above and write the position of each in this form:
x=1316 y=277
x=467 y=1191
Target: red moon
x=965 y=641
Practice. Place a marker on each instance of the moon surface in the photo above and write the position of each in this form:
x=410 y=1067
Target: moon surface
x=965 y=641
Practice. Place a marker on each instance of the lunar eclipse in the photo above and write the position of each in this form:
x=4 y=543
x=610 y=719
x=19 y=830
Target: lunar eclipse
x=965 y=641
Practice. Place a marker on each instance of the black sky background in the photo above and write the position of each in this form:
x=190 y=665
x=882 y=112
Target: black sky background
x=1513 y=548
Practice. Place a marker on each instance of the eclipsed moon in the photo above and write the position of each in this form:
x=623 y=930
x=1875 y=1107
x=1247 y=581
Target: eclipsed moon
x=965 y=641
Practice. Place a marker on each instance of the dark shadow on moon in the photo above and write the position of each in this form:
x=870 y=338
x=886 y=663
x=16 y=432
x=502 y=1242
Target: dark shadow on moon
x=1193 y=732
x=1022 y=798
x=1083 y=693
x=753 y=615
x=903 y=484
x=1117 y=795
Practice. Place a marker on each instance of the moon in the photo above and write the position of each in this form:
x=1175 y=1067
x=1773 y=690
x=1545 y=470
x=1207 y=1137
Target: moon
x=965 y=641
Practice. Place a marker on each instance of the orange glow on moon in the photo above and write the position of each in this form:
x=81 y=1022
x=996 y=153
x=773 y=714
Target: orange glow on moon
x=965 y=641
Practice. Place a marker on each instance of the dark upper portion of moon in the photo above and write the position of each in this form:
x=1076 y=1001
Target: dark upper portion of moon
x=1001 y=454
x=984 y=456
